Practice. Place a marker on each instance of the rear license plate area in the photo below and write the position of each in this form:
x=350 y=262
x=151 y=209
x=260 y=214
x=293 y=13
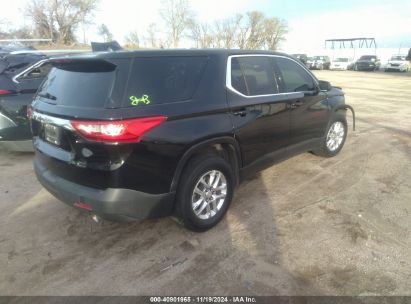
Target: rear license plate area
x=52 y=134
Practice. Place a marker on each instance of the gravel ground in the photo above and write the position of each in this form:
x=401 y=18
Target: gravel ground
x=307 y=226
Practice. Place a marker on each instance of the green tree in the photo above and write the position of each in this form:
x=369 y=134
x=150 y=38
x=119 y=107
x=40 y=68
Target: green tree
x=177 y=16
x=59 y=19
x=105 y=32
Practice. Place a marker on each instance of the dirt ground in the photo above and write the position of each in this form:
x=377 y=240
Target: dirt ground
x=307 y=226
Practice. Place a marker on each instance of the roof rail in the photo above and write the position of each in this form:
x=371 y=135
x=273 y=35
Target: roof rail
x=48 y=51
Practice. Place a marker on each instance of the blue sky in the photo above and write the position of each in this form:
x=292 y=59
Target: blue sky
x=292 y=9
x=310 y=22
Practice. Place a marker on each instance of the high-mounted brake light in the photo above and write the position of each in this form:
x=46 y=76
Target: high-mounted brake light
x=117 y=131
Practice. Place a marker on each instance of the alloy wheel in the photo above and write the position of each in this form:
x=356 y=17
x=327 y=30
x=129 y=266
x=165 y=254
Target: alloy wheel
x=335 y=136
x=209 y=194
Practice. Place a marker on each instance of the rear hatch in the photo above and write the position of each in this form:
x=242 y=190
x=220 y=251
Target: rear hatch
x=90 y=113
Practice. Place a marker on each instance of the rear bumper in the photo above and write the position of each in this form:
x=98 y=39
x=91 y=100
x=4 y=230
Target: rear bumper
x=111 y=204
x=366 y=67
x=396 y=69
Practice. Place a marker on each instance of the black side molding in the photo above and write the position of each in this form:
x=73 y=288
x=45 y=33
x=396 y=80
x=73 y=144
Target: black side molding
x=344 y=106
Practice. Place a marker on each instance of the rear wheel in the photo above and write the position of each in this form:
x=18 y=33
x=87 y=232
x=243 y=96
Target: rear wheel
x=205 y=192
x=334 y=138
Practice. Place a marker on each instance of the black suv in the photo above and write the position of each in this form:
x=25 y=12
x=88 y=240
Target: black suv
x=367 y=63
x=133 y=135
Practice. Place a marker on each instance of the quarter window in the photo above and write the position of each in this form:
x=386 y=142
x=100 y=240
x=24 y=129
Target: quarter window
x=38 y=72
x=166 y=79
x=253 y=75
x=294 y=77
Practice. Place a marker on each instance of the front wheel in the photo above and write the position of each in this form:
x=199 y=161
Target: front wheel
x=205 y=192
x=334 y=138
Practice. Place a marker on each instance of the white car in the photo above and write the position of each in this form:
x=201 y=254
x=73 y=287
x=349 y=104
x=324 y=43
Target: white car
x=397 y=63
x=342 y=64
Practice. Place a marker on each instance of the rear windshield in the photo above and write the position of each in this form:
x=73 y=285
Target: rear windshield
x=367 y=57
x=157 y=80
x=400 y=58
x=86 y=85
x=341 y=60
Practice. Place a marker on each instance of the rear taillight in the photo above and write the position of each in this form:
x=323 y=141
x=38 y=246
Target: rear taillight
x=29 y=111
x=82 y=205
x=121 y=131
x=6 y=92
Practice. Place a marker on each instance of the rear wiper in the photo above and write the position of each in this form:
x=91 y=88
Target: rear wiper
x=47 y=95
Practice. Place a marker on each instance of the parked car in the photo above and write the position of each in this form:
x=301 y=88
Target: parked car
x=302 y=57
x=21 y=73
x=397 y=63
x=367 y=63
x=310 y=62
x=134 y=135
x=342 y=63
x=20 y=76
x=321 y=63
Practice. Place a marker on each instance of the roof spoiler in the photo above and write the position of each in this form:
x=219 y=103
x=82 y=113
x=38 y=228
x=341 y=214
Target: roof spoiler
x=50 y=52
x=82 y=64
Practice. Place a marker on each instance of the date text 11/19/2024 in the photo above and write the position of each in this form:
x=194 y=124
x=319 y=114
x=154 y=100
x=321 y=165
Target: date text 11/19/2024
x=203 y=299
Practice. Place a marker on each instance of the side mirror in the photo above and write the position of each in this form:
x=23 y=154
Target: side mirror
x=324 y=85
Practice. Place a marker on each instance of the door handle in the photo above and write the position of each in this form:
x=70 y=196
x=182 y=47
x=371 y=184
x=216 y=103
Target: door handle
x=242 y=112
x=296 y=104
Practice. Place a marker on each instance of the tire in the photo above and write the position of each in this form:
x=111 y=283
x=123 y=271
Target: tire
x=327 y=148
x=196 y=175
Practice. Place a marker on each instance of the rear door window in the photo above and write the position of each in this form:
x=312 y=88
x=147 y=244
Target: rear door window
x=294 y=77
x=253 y=75
x=166 y=79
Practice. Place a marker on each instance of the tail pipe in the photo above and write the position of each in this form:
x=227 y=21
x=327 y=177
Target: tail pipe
x=345 y=107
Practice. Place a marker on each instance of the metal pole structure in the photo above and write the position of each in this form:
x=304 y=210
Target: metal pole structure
x=354 y=43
